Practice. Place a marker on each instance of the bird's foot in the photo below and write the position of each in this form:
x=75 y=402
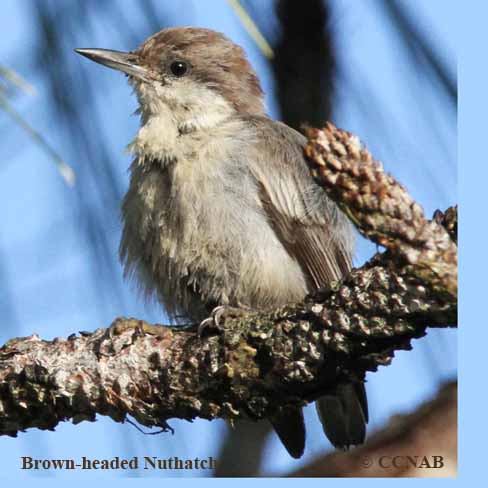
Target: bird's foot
x=139 y=327
x=214 y=324
x=124 y=332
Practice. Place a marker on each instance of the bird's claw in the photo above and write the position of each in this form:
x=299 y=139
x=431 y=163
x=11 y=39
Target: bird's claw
x=214 y=323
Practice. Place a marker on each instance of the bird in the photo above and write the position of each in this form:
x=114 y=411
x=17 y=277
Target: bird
x=222 y=213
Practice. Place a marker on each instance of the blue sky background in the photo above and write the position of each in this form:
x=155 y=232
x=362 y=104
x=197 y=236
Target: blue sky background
x=58 y=245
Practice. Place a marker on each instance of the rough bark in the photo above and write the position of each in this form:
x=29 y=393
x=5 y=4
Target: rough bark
x=382 y=210
x=420 y=444
x=264 y=361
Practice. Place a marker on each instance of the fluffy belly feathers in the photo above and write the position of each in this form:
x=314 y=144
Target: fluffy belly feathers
x=203 y=259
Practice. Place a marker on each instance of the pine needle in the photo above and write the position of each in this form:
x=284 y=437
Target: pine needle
x=17 y=80
x=65 y=170
x=252 y=28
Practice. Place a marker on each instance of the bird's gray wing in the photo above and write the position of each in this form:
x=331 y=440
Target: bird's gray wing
x=310 y=226
x=319 y=237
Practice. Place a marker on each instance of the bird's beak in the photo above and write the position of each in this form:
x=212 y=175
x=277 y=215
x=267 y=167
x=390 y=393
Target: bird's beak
x=128 y=63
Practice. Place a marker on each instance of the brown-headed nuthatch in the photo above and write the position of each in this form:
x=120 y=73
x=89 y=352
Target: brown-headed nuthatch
x=221 y=208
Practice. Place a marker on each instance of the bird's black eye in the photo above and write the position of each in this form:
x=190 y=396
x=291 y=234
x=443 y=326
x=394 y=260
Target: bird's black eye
x=178 y=68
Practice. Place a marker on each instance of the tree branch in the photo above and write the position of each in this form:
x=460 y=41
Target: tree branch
x=265 y=361
x=381 y=208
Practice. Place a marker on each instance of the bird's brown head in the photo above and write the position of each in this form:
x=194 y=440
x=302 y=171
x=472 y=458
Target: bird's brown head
x=188 y=69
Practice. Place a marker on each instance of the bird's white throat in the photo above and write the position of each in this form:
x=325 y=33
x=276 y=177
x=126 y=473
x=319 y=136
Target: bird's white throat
x=171 y=113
